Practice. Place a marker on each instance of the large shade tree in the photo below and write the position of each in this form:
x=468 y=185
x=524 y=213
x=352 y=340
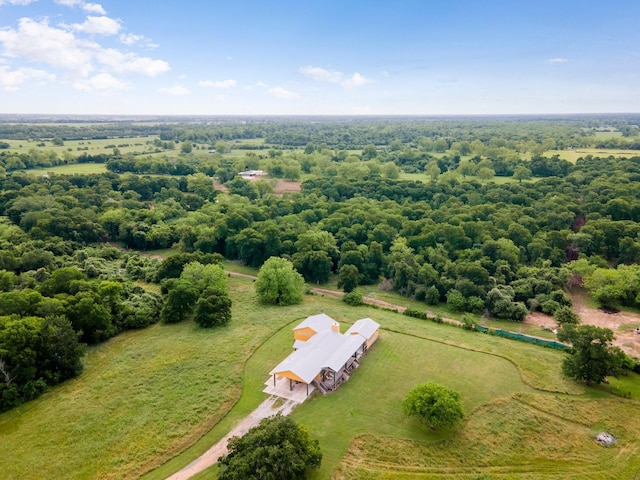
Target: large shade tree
x=438 y=406
x=279 y=283
x=277 y=449
x=593 y=357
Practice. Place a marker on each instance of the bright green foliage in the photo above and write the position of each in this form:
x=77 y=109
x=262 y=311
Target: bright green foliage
x=278 y=283
x=594 y=358
x=438 y=406
x=456 y=301
x=353 y=298
x=204 y=276
x=613 y=288
x=277 y=449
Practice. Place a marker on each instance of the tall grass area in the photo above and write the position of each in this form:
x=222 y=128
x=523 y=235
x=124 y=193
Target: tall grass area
x=162 y=396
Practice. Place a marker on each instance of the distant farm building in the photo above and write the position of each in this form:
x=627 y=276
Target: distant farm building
x=252 y=173
x=323 y=357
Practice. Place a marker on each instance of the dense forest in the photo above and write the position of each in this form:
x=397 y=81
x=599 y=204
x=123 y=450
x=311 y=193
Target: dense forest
x=71 y=269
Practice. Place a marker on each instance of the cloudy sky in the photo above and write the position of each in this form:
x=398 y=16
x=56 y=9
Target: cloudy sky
x=319 y=57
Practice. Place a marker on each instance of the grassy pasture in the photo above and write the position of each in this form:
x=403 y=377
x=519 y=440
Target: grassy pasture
x=71 y=169
x=147 y=396
x=573 y=155
x=526 y=436
x=91 y=147
x=423 y=177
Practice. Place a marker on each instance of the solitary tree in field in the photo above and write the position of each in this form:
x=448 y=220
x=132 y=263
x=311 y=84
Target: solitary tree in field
x=593 y=357
x=438 y=406
x=521 y=173
x=277 y=449
x=279 y=283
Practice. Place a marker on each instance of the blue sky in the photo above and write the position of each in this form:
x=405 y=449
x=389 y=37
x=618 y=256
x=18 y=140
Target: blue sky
x=323 y=57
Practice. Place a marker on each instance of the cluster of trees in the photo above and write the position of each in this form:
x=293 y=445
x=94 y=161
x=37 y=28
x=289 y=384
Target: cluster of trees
x=199 y=292
x=46 y=318
x=502 y=249
x=499 y=249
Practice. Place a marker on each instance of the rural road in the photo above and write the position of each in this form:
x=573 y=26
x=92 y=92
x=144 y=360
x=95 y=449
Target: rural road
x=211 y=456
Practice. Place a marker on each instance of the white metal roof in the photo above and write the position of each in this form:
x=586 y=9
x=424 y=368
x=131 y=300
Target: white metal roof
x=364 y=327
x=327 y=349
x=317 y=323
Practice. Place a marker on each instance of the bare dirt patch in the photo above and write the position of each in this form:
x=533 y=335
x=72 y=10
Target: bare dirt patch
x=623 y=324
x=283 y=186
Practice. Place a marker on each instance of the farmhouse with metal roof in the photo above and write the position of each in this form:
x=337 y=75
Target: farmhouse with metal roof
x=323 y=357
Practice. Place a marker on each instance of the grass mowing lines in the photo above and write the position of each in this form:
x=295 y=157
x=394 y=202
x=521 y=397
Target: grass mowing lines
x=528 y=436
x=371 y=401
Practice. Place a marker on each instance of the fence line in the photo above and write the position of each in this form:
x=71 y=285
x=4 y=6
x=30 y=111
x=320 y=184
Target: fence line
x=523 y=338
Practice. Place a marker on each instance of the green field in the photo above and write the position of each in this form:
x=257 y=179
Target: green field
x=90 y=147
x=72 y=169
x=148 y=395
x=573 y=155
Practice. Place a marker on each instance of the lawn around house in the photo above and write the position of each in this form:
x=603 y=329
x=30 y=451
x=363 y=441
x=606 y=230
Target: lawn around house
x=155 y=392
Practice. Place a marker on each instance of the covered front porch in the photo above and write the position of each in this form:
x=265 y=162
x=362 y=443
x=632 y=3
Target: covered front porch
x=288 y=388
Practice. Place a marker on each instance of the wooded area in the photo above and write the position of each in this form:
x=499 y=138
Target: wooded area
x=413 y=203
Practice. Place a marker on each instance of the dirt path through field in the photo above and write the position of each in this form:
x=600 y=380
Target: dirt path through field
x=211 y=456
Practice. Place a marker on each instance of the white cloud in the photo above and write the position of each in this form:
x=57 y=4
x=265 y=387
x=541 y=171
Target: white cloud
x=38 y=42
x=130 y=62
x=175 y=90
x=219 y=84
x=87 y=7
x=133 y=39
x=94 y=8
x=98 y=26
x=283 y=93
x=321 y=75
x=553 y=61
x=103 y=82
x=68 y=3
x=356 y=80
x=261 y=85
x=16 y=2
x=332 y=76
x=11 y=79
x=60 y=48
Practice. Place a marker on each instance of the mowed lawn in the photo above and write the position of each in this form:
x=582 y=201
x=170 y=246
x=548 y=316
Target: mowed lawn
x=171 y=391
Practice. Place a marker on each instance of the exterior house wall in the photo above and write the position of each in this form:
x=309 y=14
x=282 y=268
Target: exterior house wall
x=372 y=340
